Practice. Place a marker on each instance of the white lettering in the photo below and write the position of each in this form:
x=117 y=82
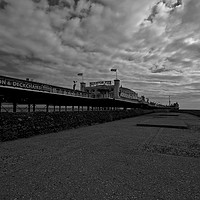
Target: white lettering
x=2 y=82
x=14 y=84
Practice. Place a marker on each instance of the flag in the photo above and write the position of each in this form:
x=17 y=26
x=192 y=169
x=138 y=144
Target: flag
x=113 y=70
x=80 y=74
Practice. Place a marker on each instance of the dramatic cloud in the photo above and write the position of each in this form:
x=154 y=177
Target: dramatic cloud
x=155 y=44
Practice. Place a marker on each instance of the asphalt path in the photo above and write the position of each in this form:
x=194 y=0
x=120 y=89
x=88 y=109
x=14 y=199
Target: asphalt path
x=146 y=157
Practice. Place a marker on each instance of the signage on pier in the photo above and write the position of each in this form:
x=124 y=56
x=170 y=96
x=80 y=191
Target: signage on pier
x=26 y=84
x=92 y=84
x=11 y=82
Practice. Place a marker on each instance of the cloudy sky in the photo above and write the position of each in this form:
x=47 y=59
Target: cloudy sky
x=154 y=44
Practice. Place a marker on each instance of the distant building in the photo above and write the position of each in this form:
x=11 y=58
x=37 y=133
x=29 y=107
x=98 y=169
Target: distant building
x=105 y=89
x=126 y=93
x=175 y=106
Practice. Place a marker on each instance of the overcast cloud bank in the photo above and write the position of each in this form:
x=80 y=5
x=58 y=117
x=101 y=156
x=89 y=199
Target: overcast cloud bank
x=154 y=44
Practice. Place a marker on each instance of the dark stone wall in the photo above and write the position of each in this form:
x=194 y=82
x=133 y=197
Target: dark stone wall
x=23 y=125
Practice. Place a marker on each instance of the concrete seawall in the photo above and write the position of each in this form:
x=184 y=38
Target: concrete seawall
x=23 y=125
x=115 y=160
x=193 y=112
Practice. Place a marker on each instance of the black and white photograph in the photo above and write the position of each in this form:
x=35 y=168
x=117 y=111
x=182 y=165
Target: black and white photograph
x=99 y=99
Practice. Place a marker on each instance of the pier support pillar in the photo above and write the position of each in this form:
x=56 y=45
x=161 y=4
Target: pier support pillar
x=47 y=108
x=14 y=107
x=33 y=107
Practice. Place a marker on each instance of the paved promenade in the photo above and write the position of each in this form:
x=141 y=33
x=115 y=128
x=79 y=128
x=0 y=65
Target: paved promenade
x=155 y=156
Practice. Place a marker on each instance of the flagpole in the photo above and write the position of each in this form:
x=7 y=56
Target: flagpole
x=80 y=74
x=114 y=70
